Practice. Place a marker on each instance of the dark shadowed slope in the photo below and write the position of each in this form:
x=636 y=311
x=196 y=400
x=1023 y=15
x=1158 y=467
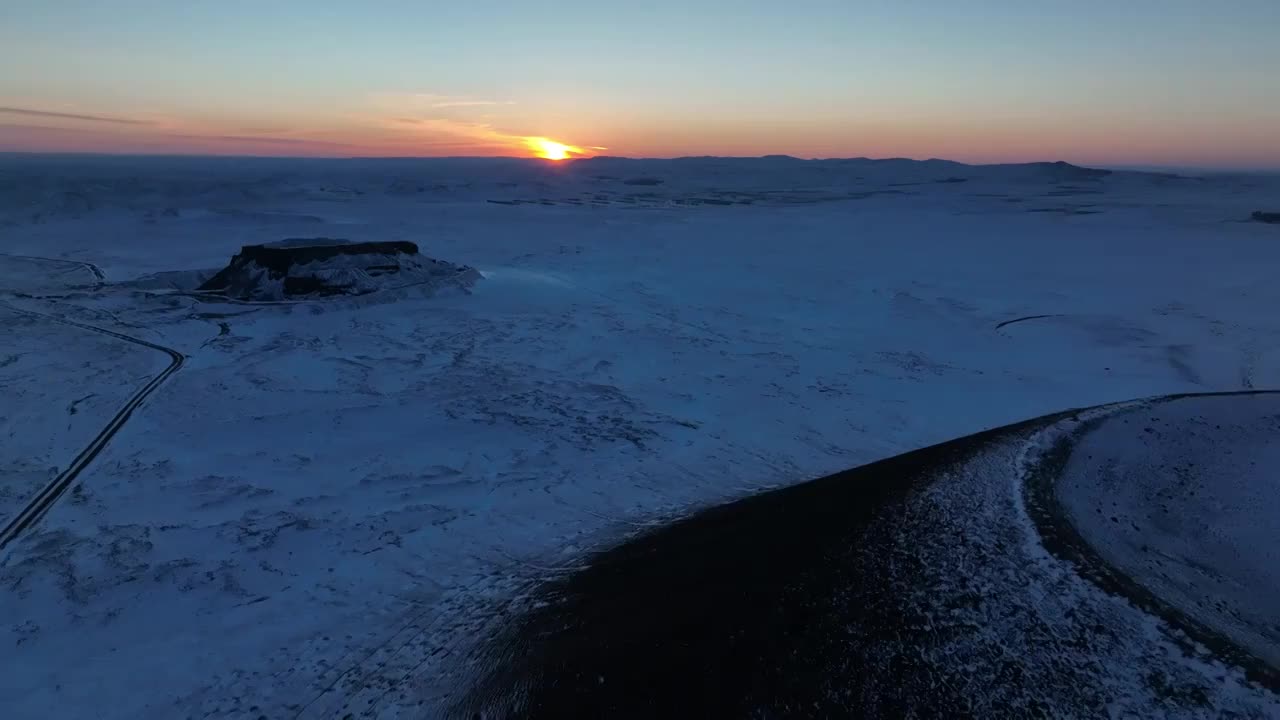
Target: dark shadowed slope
x=915 y=585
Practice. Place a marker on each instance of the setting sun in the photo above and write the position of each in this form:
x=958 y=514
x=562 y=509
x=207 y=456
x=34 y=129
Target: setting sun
x=550 y=149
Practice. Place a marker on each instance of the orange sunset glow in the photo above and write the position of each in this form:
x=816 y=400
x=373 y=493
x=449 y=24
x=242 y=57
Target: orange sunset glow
x=932 y=93
x=552 y=150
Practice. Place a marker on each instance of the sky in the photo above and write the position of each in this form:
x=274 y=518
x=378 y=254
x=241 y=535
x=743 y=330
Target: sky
x=1114 y=82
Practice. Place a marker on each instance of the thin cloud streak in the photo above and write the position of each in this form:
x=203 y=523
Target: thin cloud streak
x=432 y=101
x=414 y=141
x=412 y=131
x=28 y=112
x=23 y=127
x=469 y=103
x=258 y=139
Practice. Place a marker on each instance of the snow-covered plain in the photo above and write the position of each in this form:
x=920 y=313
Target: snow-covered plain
x=60 y=385
x=314 y=515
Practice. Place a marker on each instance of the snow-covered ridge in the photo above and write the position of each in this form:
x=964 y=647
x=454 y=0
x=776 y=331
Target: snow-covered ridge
x=937 y=582
x=1182 y=497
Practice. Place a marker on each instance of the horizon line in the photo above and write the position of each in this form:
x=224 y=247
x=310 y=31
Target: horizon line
x=1131 y=167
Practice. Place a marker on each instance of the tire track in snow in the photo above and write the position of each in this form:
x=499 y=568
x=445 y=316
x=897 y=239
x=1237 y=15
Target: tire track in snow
x=93 y=269
x=1026 y=318
x=47 y=496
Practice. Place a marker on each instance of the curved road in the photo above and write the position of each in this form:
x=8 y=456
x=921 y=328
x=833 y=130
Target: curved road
x=90 y=267
x=47 y=496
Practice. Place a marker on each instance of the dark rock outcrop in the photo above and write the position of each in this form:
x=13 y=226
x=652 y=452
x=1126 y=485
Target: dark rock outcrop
x=310 y=267
x=1271 y=218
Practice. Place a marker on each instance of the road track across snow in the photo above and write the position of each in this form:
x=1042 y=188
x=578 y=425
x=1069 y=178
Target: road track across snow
x=43 y=500
x=94 y=270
